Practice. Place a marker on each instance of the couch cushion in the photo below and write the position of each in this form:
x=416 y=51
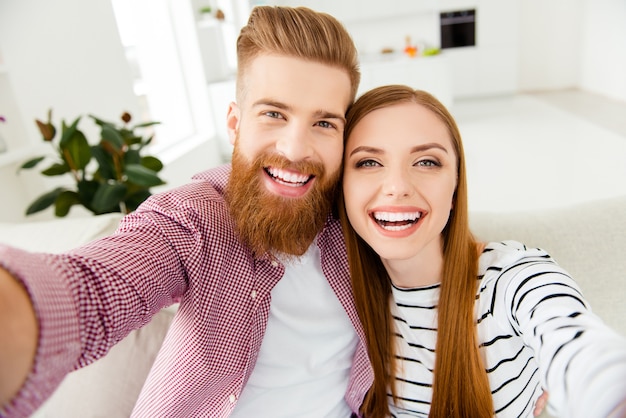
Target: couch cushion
x=588 y=240
x=58 y=235
x=110 y=386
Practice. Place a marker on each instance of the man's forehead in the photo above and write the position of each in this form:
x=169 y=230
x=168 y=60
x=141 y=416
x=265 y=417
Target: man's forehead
x=295 y=82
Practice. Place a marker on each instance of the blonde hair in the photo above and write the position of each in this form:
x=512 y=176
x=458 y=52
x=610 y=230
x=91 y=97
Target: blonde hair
x=296 y=32
x=461 y=386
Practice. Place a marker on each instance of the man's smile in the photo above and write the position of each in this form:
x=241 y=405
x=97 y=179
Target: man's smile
x=288 y=178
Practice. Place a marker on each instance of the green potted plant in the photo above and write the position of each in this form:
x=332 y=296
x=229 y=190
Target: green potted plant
x=110 y=176
x=206 y=12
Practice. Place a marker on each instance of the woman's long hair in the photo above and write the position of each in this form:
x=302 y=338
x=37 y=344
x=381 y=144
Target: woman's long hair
x=460 y=387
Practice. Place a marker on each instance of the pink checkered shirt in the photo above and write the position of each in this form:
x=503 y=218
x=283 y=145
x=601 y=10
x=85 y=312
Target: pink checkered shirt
x=179 y=245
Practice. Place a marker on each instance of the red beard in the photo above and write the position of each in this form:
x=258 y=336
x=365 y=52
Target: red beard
x=271 y=223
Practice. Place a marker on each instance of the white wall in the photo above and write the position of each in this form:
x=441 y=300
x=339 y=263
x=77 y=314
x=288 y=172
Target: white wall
x=550 y=47
x=52 y=58
x=64 y=54
x=603 y=47
x=521 y=45
x=490 y=67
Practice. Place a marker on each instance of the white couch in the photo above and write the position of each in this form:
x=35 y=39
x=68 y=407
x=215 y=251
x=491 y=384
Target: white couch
x=588 y=239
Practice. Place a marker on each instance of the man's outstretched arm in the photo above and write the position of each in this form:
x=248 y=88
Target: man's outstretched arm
x=18 y=336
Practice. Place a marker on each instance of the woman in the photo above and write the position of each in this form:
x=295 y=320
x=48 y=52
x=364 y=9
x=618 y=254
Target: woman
x=455 y=327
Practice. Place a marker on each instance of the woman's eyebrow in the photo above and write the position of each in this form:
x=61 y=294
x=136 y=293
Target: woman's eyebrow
x=363 y=148
x=430 y=145
x=418 y=148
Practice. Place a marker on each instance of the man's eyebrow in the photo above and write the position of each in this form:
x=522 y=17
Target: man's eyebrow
x=321 y=113
x=325 y=114
x=273 y=103
x=418 y=148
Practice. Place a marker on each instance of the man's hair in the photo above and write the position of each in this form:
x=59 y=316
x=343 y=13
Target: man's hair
x=296 y=32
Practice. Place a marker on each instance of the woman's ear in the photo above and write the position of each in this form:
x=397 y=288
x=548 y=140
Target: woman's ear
x=232 y=122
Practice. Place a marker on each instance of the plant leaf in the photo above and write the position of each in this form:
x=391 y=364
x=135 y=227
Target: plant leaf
x=145 y=125
x=147 y=141
x=108 y=197
x=86 y=191
x=112 y=136
x=31 y=163
x=64 y=202
x=101 y=122
x=106 y=168
x=133 y=201
x=67 y=132
x=56 y=169
x=44 y=201
x=48 y=131
x=142 y=176
x=132 y=139
x=132 y=157
x=78 y=149
x=153 y=163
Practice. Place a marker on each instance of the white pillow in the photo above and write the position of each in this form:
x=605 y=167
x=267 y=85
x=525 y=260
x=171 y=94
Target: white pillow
x=58 y=235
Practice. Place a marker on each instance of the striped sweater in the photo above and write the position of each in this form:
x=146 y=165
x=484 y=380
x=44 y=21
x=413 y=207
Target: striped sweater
x=536 y=331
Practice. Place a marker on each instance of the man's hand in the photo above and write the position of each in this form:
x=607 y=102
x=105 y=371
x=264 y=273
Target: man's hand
x=18 y=336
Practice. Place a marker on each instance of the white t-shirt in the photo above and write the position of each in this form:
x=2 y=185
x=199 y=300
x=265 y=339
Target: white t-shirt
x=304 y=364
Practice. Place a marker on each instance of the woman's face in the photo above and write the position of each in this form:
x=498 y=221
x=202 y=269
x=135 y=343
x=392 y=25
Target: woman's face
x=400 y=174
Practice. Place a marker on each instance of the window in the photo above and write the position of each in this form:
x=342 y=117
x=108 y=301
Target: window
x=162 y=49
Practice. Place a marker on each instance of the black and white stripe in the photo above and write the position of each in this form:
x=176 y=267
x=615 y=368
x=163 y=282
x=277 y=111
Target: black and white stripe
x=532 y=321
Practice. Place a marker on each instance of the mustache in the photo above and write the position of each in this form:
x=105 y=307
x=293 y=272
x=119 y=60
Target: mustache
x=269 y=223
x=279 y=161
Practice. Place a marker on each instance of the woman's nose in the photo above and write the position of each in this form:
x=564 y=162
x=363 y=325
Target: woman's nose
x=397 y=183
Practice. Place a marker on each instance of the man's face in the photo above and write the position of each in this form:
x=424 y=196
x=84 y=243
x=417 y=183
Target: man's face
x=295 y=109
x=288 y=138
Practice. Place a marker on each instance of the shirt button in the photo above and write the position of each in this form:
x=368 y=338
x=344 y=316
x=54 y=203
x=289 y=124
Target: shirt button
x=232 y=398
x=253 y=294
x=274 y=263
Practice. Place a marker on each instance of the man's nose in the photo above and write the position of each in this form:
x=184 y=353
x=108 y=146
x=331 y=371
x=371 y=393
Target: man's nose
x=295 y=142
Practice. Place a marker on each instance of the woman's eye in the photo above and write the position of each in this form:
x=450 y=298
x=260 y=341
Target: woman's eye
x=367 y=163
x=428 y=163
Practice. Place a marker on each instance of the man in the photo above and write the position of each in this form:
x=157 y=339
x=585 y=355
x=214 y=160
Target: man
x=266 y=324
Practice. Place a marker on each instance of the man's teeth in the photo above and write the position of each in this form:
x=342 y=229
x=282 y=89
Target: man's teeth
x=288 y=178
x=396 y=221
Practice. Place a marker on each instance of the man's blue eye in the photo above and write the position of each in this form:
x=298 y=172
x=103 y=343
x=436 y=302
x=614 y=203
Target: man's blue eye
x=325 y=124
